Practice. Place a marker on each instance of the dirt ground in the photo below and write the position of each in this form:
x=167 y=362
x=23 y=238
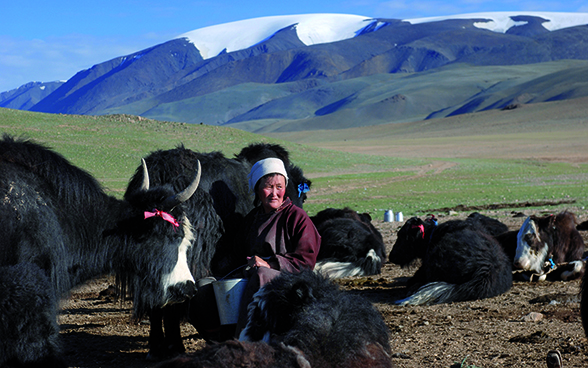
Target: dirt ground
x=97 y=331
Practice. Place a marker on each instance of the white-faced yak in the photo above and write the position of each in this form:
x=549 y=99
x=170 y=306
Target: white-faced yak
x=216 y=209
x=550 y=246
x=57 y=217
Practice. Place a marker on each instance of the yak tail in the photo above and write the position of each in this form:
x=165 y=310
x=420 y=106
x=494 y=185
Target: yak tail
x=486 y=282
x=371 y=264
x=431 y=293
x=337 y=270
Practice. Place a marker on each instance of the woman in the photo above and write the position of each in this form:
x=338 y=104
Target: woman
x=278 y=235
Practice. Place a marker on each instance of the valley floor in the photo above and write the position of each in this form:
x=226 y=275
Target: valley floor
x=551 y=131
x=98 y=331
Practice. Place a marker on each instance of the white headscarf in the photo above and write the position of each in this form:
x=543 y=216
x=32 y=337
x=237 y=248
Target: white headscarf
x=263 y=167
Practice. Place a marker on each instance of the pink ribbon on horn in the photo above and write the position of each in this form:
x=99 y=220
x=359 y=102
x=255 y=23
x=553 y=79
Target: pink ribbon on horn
x=164 y=215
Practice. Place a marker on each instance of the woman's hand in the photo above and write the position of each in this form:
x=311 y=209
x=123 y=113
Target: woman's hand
x=256 y=261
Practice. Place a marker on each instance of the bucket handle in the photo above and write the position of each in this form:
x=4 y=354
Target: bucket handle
x=228 y=274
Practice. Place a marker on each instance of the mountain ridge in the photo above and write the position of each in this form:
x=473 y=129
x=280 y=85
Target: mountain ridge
x=294 y=81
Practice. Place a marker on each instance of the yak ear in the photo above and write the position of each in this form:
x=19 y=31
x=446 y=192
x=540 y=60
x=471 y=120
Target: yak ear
x=551 y=219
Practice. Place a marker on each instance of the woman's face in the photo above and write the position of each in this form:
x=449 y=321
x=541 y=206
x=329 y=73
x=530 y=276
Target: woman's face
x=271 y=191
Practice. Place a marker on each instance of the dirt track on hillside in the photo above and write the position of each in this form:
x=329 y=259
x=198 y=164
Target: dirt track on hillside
x=431 y=169
x=98 y=332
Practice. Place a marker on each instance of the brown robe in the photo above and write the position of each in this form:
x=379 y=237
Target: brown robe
x=286 y=238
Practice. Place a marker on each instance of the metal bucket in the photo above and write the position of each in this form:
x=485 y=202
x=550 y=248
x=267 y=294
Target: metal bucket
x=228 y=295
x=399 y=217
x=388 y=216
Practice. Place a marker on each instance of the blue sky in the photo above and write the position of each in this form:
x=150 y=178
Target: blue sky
x=53 y=40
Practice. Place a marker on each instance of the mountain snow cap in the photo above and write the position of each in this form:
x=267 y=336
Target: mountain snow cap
x=312 y=29
x=502 y=21
x=315 y=29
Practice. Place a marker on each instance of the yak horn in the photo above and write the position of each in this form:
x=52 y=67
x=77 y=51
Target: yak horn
x=185 y=194
x=145 y=184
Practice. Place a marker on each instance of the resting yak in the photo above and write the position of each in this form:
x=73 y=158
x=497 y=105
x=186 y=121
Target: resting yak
x=239 y=354
x=216 y=210
x=350 y=244
x=301 y=321
x=550 y=246
x=57 y=217
x=331 y=327
x=461 y=260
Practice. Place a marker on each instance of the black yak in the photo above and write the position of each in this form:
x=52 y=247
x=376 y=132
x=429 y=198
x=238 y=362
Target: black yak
x=331 y=327
x=584 y=303
x=460 y=261
x=216 y=209
x=350 y=244
x=57 y=216
x=238 y=354
x=28 y=327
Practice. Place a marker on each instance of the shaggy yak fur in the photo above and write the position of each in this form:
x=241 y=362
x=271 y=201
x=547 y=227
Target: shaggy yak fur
x=490 y=225
x=216 y=209
x=460 y=261
x=57 y=217
x=28 y=327
x=584 y=303
x=350 y=244
x=238 y=354
x=332 y=328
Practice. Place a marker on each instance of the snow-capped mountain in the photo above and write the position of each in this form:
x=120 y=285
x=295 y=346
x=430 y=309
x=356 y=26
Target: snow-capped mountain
x=311 y=29
x=328 y=71
x=503 y=21
x=315 y=29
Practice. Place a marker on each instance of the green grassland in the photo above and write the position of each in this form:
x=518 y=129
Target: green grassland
x=471 y=183
x=110 y=148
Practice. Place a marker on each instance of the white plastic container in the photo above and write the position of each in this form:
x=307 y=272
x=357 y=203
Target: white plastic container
x=228 y=295
x=399 y=217
x=388 y=216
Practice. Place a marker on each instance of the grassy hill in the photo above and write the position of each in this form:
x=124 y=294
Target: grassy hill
x=370 y=100
x=368 y=177
x=551 y=131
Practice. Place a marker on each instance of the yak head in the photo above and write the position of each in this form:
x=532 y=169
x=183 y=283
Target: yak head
x=278 y=305
x=153 y=265
x=411 y=242
x=541 y=240
x=533 y=244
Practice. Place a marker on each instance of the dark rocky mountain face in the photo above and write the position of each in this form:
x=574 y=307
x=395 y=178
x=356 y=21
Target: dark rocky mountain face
x=316 y=80
x=123 y=80
x=27 y=95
